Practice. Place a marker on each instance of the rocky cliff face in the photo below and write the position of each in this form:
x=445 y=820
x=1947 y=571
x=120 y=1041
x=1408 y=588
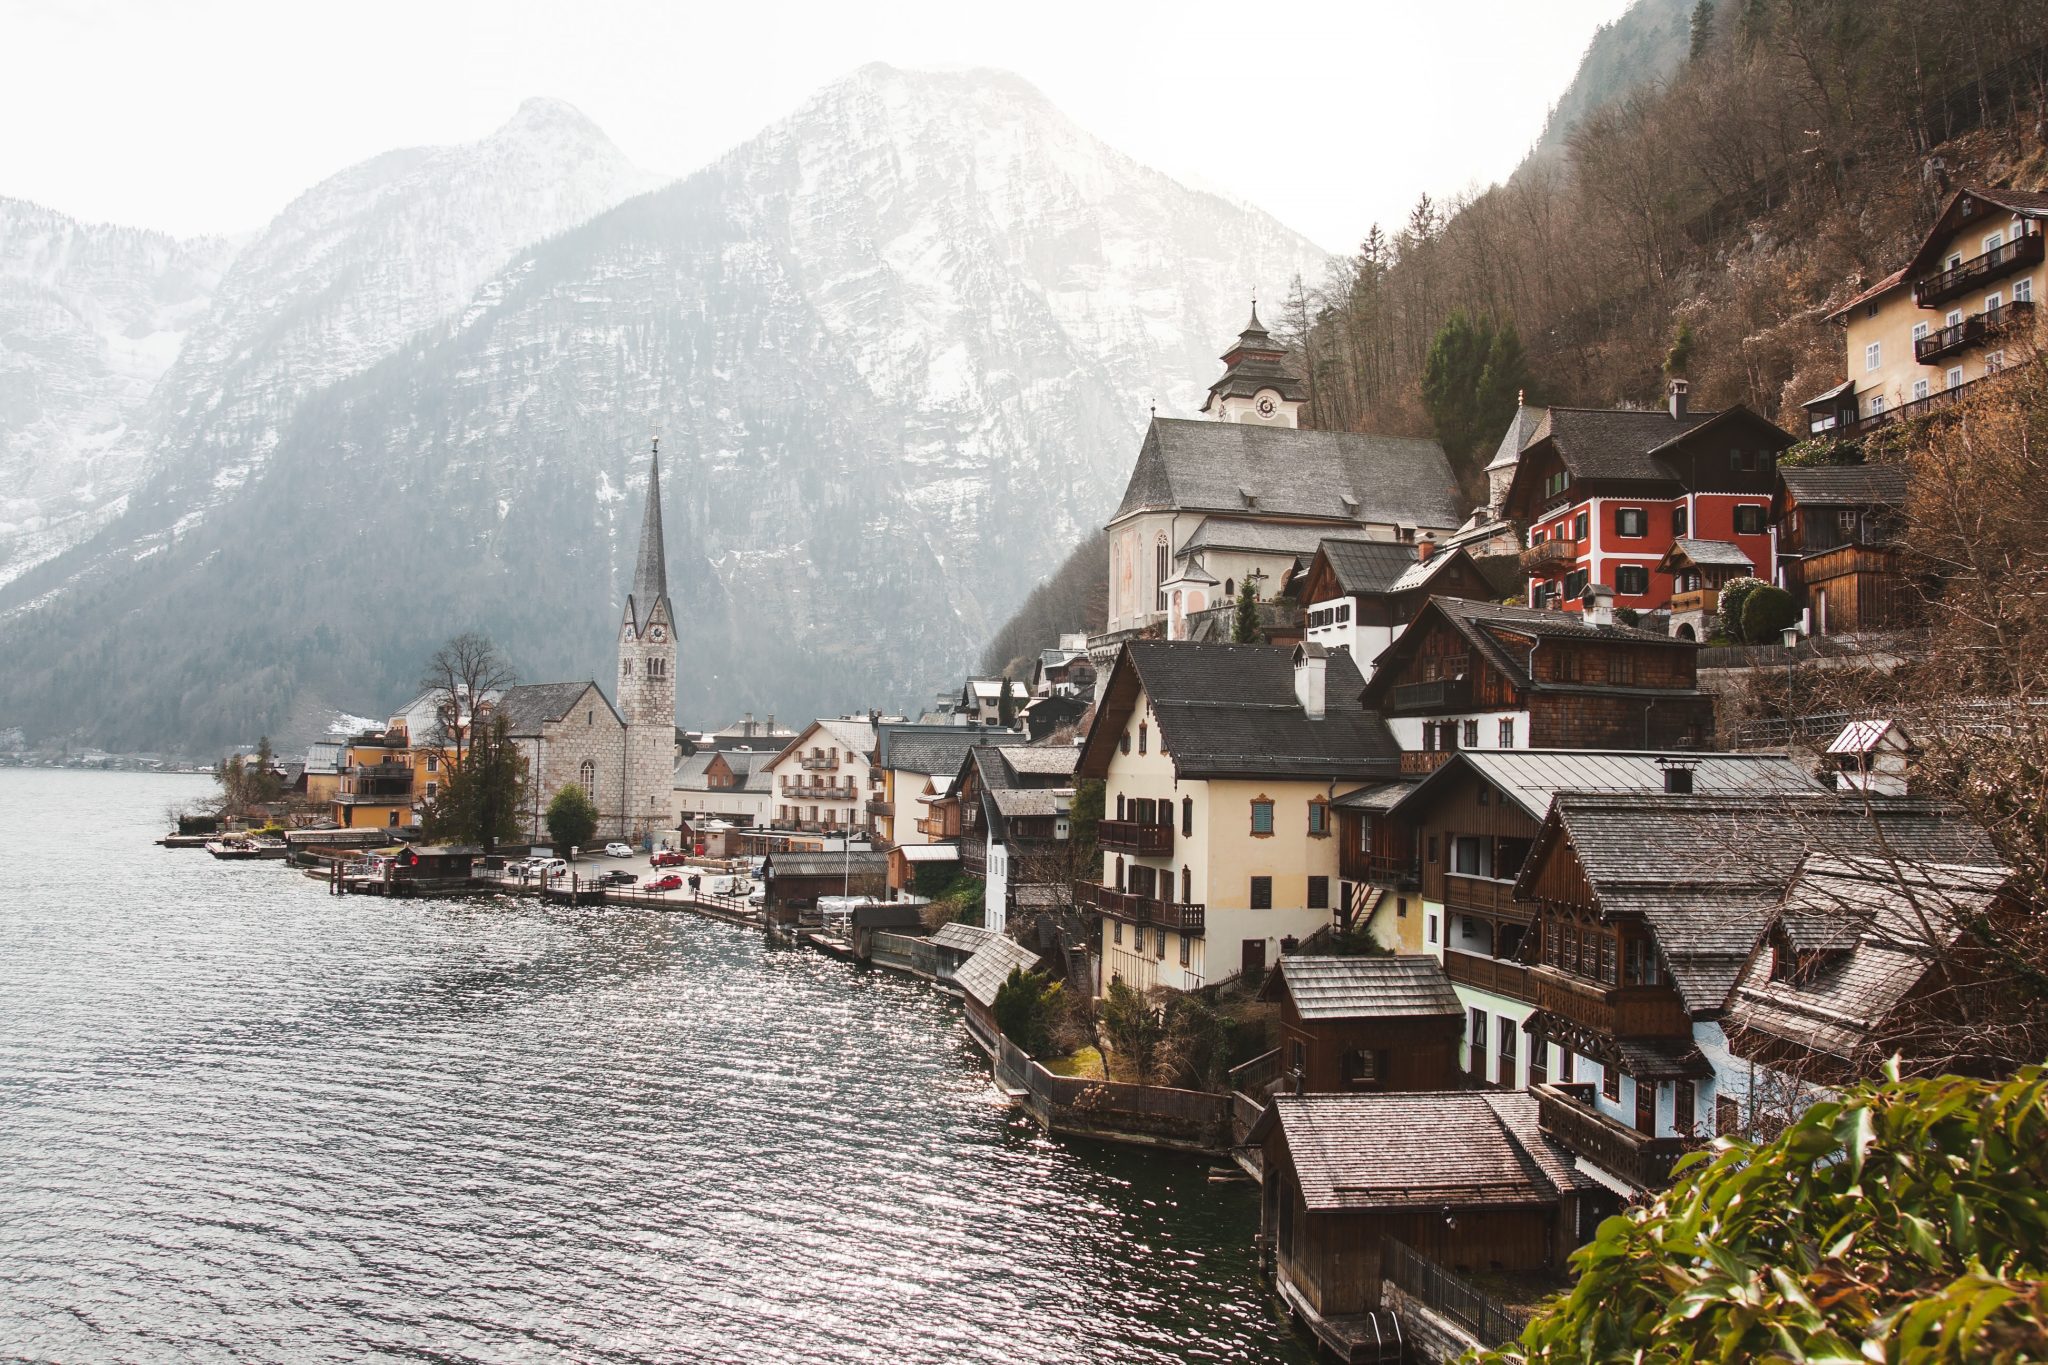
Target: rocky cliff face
x=900 y=347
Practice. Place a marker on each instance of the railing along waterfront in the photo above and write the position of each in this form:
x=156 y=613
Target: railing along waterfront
x=1443 y=1293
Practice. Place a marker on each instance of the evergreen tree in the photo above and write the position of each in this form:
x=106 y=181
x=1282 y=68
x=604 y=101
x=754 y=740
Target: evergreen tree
x=1006 y=704
x=1702 y=28
x=1244 y=630
x=479 y=799
x=572 y=820
x=1470 y=383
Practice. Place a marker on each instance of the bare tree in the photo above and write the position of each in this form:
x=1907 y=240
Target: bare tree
x=462 y=675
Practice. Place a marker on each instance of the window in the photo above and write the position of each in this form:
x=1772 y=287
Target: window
x=1610 y=1083
x=586 y=777
x=1144 y=736
x=1318 y=893
x=1954 y=378
x=1684 y=1103
x=1681 y=517
x=1749 y=520
x=1187 y=817
x=1507 y=733
x=1471 y=735
x=1429 y=933
x=1994 y=361
x=1187 y=889
x=1993 y=302
x=1485 y=796
x=432 y=787
x=1476 y=1049
x=1876 y=404
x=1185 y=941
x=393 y=819
x=1123 y=743
x=1873 y=356
x=1621 y=669
x=1919 y=389
x=1319 y=819
x=1994 y=241
x=1117 y=928
x=1580 y=525
x=1919 y=335
x=1507 y=1030
x=1262 y=893
x=1159 y=948
x=1230 y=588
x=1159 y=554
x=1471 y=856
x=1262 y=817
x=1400 y=907
x=1845 y=522
x=2023 y=291
x=1629 y=521
x=1631 y=580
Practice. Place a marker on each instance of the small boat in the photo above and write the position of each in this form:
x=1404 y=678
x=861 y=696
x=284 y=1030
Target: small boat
x=235 y=848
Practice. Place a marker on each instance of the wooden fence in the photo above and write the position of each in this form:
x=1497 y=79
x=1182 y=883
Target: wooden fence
x=904 y=953
x=1110 y=1111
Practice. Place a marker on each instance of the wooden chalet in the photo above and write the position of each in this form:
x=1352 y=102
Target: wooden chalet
x=1838 y=547
x=981 y=976
x=1699 y=569
x=1378 y=864
x=1648 y=909
x=1465 y=1178
x=1358 y=595
x=1476 y=675
x=1366 y=1023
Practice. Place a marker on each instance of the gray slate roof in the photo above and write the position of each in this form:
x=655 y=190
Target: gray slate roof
x=983 y=974
x=1476 y=621
x=1259 y=537
x=1861 y=485
x=1712 y=553
x=1612 y=443
x=935 y=750
x=650 y=569
x=1046 y=760
x=527 y=708
x=1404 y=987
x=1531 y=777
x=1203 y=465
x=1018 y=801
x=1388 y=1151
x=1521 y=430
x=1231 y=710
x=1706 y=872
x=827 y=864
x=1379 y=796
x=963 y=938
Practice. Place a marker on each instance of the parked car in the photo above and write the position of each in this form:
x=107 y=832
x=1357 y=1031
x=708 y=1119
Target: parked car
x=669 y=857
x=618 y=876
x=616 y=849
x=759 y=895
x=549 y=867
x=669 y=883
x=515 y=867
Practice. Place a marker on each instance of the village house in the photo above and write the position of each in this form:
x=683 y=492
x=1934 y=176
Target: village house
x=1065 y=671
x=917 y=764
x=1648 y=910
x=1606 y=492
x=1359 y=595
x=1464 y=1179
x=1469 y=827
x=1959 y=308
x=1476 y=675
x=736 y=786
x=981 y=701
x=1839 y=551
x=1219 y=764
x=1364 y=1023
x=825 y=778
x=1010 y=817
x=1048 y=716
x=1247 y=492
x=374 y=789
x=1699 y=569
x=793 y=880
x=320 y=774
x=745 y=733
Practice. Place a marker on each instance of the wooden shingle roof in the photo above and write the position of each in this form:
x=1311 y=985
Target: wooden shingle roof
x=983 y=974
x=1405 y=987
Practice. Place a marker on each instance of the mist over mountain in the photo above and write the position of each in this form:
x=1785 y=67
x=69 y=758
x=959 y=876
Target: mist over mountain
x=898 y=346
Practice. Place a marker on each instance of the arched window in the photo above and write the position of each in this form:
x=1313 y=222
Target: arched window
x=1230 y=587
x=586 y=777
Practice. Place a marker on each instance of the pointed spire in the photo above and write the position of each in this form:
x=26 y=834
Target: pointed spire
x=1255 y=316
x=650 y=571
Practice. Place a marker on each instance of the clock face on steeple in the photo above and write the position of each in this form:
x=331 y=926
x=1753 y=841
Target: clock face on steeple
x=1266 y=405
x=656 y=634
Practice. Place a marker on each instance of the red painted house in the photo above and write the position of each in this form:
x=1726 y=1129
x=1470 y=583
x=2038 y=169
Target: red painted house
x=1605 y=492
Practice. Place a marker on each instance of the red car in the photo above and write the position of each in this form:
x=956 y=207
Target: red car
x=671 y=858
x=669 y=883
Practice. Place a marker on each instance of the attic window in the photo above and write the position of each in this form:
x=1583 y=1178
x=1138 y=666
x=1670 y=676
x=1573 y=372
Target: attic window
x=1350 y=503
x=1251 y=499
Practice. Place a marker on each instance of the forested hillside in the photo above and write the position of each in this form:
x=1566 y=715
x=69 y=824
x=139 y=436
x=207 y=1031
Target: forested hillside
x=1704 y=225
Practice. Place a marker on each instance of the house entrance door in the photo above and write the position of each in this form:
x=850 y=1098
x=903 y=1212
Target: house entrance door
x=1254 y=960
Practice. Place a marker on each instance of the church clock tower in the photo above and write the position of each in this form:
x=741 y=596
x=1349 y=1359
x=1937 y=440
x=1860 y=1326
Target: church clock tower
x=1258 y=385
x=647 y=677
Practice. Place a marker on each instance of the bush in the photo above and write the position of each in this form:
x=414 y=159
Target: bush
x=1733 y=593
x=571 y=820
x=1027 y=1005
x=1133 y=1027
x=1765 y=612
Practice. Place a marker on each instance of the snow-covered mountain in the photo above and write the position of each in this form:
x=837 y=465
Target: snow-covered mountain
x=900 y=347
x=344 y=275
x=91 y=316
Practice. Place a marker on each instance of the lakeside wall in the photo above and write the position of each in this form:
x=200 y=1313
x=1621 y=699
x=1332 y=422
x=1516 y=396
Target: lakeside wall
x=1107 y=1111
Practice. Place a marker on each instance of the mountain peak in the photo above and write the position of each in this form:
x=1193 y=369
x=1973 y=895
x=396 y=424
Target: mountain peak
x=546 y=113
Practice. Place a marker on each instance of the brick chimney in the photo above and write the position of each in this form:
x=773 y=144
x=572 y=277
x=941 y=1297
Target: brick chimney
x=1425 y=546
x=1678 y=387
x=1310 y=663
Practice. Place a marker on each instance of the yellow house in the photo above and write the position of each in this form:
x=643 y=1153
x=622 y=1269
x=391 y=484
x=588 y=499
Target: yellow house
x=1219 y=765
x=1960 y=309
x=377 y=775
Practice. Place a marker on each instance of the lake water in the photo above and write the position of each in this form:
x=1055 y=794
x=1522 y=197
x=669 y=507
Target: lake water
x=242 y=1118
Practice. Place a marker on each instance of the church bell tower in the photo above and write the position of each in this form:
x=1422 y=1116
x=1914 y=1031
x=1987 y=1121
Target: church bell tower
x=647 y=677
x=1258 y=386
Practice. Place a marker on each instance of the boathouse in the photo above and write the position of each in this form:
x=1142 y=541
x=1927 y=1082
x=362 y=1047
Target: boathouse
x=981 y=976
x=1366 y=1023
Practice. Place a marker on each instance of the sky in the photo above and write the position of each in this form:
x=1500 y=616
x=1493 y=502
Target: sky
x=210 y=115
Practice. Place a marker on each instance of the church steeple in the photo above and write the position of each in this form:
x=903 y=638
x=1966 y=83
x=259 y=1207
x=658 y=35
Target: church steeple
x=1258 y=385
x=650 y=571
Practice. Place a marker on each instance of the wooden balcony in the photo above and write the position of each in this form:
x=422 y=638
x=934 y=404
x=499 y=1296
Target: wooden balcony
x=1618 y=1011
x=1565 y=1111
x=877 y=806
x=1550 y=556
x=1978 y=329
x=1943 y=285
x=1131 y=836
x=974 y=859
x=1488 y=974
x=818 y=762
x=1423 y=761
x=1699 y=599
x=1487 y=895
x=1141 y=909
x=1440 y=694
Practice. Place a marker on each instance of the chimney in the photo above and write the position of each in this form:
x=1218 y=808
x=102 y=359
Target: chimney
x=1310 y=663
x=1678 y=387
x=1425 y=546
x=771 y=724
x=1597 y=603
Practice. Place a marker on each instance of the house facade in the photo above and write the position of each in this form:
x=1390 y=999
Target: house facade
x=1365 y=1023
x=732 y=785
x=1958 y=310
x=1219 y=764
x=824 y=780
x=917 y=763
x=374 y=787
x=1839 y=553
x=1012 y=806
x=1604 y=494
x=1359 y=595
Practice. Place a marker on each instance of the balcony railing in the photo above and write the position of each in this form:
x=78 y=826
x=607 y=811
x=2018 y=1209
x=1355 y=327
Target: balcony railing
x=386 y=771
x=877 y=806
x=1566 y=1113
x=1944 y=285
x=377 y=794
x=1440 y=694
x=818 y=791
x=1549 y=556
x=1488 y=974
x=1618 y=1011
x=1141 y=909
x=1974 y=330
x=1699 y=599
x=1423 y=760
x=1132 y=836
x=818 y=762
x=1485 y=894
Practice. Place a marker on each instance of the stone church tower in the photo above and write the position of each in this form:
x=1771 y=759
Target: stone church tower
x=647 y=679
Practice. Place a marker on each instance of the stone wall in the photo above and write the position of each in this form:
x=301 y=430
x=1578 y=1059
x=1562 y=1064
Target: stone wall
x=590 y=732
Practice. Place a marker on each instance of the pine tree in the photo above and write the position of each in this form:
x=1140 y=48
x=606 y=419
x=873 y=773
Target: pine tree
x=1006 y=703
x=1702 y=28
x=1245 y=629
x=1470 y=383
